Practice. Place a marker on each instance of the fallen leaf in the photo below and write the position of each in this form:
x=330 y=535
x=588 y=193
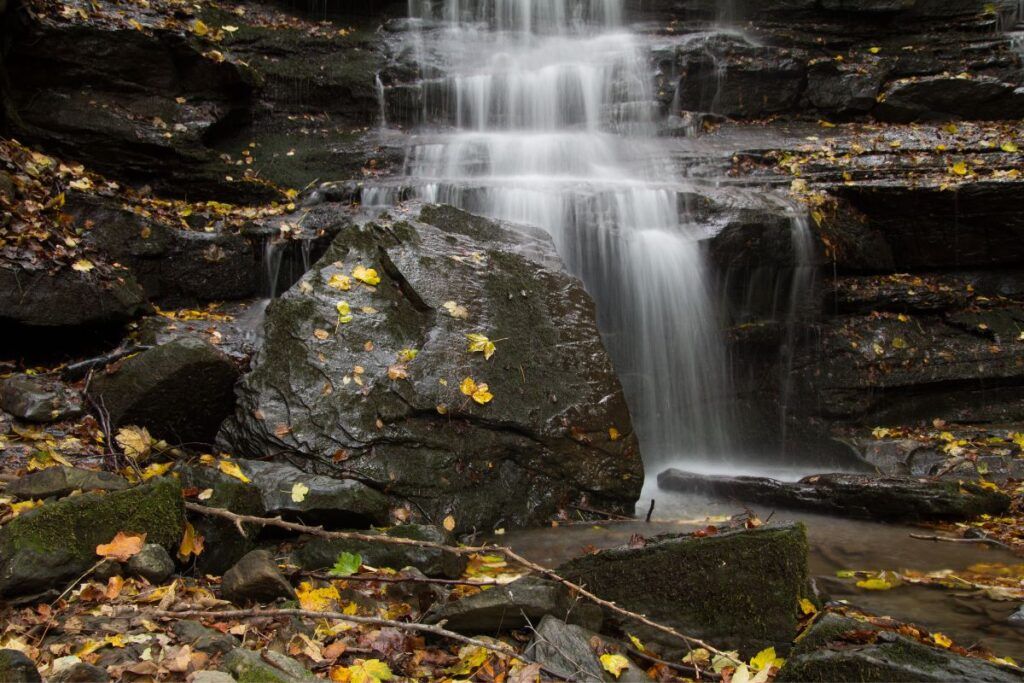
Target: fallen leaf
x=941 y=640
x=347 y=564
x=344 y=312
x=367 y=276
x=478 y=343
x=134 y=441
x=317 y=599
x=191 y=543
x=233 y=470
x=614 y=664
x=448 y=523
x=479 y=392
x=82 y=265
x=340 y=281
x=122 y=547
x=456 y=311
x=299 y=491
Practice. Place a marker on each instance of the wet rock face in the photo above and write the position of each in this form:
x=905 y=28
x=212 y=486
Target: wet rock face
x=557 y=431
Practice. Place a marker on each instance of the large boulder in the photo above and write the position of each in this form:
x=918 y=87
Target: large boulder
x=181 y=391
x=37 y=398
x=948 y=96
x=850 y=495
x=739 y=588
x=375 y=392
x=61 y=481
x=840 y=648
x=56 y=543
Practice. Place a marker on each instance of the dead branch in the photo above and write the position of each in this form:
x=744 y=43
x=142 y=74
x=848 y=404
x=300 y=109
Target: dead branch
x=239 y=520
x=947 y=539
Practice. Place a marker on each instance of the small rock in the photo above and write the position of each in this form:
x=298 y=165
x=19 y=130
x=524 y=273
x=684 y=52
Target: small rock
x=255 y=578
x=180 y=391
x=1017 y=618
x=80 y=672
x=266 y=666
x=60 y=481
x=564 y=649
x=516 y=605
x=321 y=553
x=39 y=399
x=153 y=563
x=15 y=667
x=203 y=639
x=106 y=569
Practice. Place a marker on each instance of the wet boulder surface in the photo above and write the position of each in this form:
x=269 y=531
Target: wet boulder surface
x=376 y=382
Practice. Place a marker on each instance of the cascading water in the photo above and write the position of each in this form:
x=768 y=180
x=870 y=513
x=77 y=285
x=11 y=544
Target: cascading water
x=552 y=109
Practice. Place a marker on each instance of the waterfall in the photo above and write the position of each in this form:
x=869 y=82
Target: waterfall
x=540 y=112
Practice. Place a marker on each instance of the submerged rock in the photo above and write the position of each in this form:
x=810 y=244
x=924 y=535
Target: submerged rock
x=57 y=542
x=851 y=495
x=181 y=391
x=374 y=391
x=739 y=588
x=838 y=648
x=515 y=605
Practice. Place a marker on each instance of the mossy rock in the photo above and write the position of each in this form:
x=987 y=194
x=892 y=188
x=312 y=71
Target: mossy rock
x=267 y=666
x=53 y=544
x=321 y=553
x=823 y=655
x=737 y=589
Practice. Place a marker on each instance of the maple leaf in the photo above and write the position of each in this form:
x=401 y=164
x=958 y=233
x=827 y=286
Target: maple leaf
x=766 y=659
x=448 y=523
x=344 y=312
x=478 y=392
x=368 y=671
x=941 y=640
x=82 y=265
x=367 y=276
x=134 y=441
x=317 y=599
x=455 y=310
x=478 y=343
x=340 y=281
x=122 y=547
x=347 y=564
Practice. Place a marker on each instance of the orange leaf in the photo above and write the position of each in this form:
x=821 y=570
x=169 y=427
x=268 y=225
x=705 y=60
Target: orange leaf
x=191 y=543
x=122 y=547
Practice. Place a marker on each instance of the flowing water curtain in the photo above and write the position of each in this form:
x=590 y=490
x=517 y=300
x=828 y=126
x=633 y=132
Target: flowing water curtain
x=542 y=112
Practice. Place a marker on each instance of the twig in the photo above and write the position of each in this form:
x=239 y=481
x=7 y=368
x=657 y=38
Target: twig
x=650 y=511
x=947 y=539
x=257 y=612
x=683 y=668
x=82 y=368
x=402 y=579
x=77 y=581
x=603 y=513
x=239 y=520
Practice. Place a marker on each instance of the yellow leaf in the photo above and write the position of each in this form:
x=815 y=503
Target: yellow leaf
x=449 y=523
x=191 y=543
x=398 y=371
x=941 y=640
x=322 y=335
x=122 y=547
x=1009 y=147
x=636 y=643
x=134 y=441
x=478 y=343
x=369 y=671
x=199 y=28
x=340 y=281
x=874 y=584
x=18 y=508
x=987 y=485
x=698 y=656
x=766 y=659
x=807 y=607
x=366 y=275
x=951 y=129
x=317 y=599
x=299 y=491
x=82 y=265
x=874 y=50
x=614 y=664
x=156 y=470
x=613 y=434
x=468 y=386
x=344 y=312
x=899 y=343
x=959 y=168
x=215 y=55
x=233 y=470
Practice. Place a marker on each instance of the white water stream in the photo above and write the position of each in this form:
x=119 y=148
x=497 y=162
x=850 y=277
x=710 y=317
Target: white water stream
x=541 y=112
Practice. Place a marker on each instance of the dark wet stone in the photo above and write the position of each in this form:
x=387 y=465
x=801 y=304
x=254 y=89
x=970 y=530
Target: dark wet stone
x=822 y=655
x=39 y=399
x=203 y=639
x=62 y=480
x=328 y=500
x=944 y=97
x=321 y=553
x=851 y=495
x=255 y=578
x=515 y=605
x=266 y=666
x=80 y=672
x=845 y=87
x=53 y=544
x=180 y=391
x=152 y=563
x=737 y=588
x=67 y=298
x=223 y=545
x=16 y=667
x=546 y=437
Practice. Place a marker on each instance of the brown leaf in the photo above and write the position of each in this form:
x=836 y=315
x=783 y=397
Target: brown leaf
x=122 y=547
